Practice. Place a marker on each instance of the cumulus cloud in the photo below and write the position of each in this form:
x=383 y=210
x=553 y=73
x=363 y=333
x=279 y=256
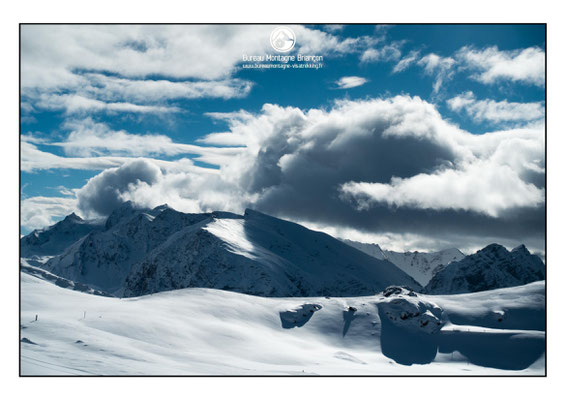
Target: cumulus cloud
x=496 y=111
x=387 y=166
x=105 y=192
x=483 y=186
x=493 y=65
x=348 y=82
x=148 y=184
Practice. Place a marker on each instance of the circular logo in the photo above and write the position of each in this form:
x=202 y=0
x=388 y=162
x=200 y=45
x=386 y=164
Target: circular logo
x=282 y=39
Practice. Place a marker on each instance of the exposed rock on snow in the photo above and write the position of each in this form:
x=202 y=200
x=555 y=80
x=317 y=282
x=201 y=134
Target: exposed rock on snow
x=405 y=309
x=492 y=267
x=298 y=316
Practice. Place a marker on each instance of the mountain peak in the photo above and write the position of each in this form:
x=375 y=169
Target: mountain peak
x=521 y=249
x=160 y=208
x=73 y=217
x=125 y=209
x=495 y=249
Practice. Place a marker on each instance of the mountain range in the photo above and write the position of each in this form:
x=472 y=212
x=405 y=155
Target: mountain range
x=421 y=266
x=142 y=251
x=139 y=251
x=492 y=267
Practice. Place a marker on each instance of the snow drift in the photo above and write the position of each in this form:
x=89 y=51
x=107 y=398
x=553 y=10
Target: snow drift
x=214 y=332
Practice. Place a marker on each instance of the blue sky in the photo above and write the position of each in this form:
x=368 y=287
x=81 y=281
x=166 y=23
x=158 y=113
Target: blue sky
x=100 y=97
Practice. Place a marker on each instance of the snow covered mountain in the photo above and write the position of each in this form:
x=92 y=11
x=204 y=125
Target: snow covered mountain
x=262 y=255
x=214 y=332
x=421 y=266
x=147 y=251
x=492 y=267
x=56 y=238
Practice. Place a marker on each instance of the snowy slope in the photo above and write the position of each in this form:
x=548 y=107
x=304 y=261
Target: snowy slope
x=492 y=267
x=56 y=238
x=207 y=331
x=147 y=251
x=261 y=255
x=421 y=266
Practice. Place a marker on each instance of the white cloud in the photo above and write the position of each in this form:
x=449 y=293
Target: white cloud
x=102 y=93
x=496 y=111
x=389 y=52
x=73 y=104
x=493 y=65
x=34 y=159
x=406 y=61
x=383 y=154
x=143 y=90
x=483 y=173
x=483 y=186
x=92 y=145
x=90 y=138
x=149 y=184
x=333 y=28
x=441 y=67
x=313 y=41
x=488 y=65
x=79 y=68
x=348 y=82
x=39 y=212
x=52 y=54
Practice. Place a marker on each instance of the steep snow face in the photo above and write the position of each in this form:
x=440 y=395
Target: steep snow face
x=423 y=266
x=420 y=266
x=261 y=255
x=214 y=332
x=490 y=268
x=55 y=239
